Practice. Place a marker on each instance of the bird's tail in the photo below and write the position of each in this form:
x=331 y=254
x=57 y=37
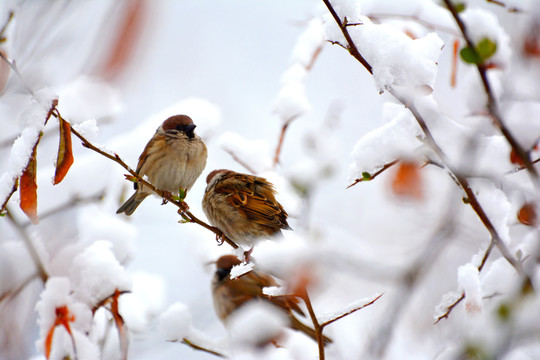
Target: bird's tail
x=298 y=325
x=131 y=204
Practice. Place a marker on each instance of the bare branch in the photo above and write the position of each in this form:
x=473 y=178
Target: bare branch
x=201 y=348
x=430 y=140
x=42 y=273
x=240 y=161
x=370 y=177
x=492 y=105
x=480 y=267
x=316 y=326
x=328 y=322
x=417 y=19
x=182 y=205
x=280 y=141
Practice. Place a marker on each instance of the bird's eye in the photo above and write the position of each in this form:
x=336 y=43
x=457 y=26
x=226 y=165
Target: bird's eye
x=222 y=273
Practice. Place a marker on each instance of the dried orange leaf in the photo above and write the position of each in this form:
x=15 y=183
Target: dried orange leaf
x=128 y=33
x=407 y=181
x=65 y=154
x=48 y=341
x=527 y=214
x=120 y=324
x=28 y=189
x=453 y=75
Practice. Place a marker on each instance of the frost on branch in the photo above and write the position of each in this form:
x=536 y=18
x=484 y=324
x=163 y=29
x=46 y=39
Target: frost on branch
x=254 y=155
x=96 y=274
x=398 y=137
x=241 y=269
x=256 y=324
x=396 y=59
x=175 y=322
x=469 y=282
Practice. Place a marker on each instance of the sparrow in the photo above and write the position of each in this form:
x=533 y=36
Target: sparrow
x=243 y=207
x=173 y=158
x=230 y=294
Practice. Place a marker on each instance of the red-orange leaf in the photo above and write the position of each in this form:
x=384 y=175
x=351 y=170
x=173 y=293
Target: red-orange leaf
x=527 y=214
x=65 y=154
x=48 y=341
x=63 y=317
x=28 y=188
x=129 y=31
x=407 y=181
x=455 y=56
x=119 y=321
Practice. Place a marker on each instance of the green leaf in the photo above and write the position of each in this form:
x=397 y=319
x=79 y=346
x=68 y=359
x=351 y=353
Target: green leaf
x=366 y=176
x=182 y=194
x=482 y=51
x=486 y=48
x=504 y=312
x=459 y=7
x=185 y=219
x=470 y=56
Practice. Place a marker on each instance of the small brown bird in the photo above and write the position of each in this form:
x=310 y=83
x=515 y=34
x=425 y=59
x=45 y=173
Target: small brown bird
x=230 y=294
x=173 y=158
x=243 y=206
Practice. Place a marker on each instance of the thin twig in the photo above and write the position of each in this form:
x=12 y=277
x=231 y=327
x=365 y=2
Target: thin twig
x=520 y=168
x=15 y=186
x=316 y=326
x=4 y=27
x=42 y=273
x=200 y=348
x=415 y=18
x=13 y=67
x=240 y=161
x=13 y=293
x=68 y=205
x=492 y=106
x=464 y=184
x=501 y=3
x=371 y=177
x=480 y=267
x=182 y=205
x=430 y=140
x=280 y=142
x=353 y=50
x=450 y=308
x=328 y=322
x=54 y=104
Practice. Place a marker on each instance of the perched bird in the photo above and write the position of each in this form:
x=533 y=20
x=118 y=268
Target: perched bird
x=243 y=207
x=173 y=158
x=230 y=294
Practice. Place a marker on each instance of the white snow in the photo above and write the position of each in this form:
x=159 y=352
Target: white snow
x=255 y=153
x=96 y=274
x=353 y=306
x=396 y=138
x=175 y=322
x=256 y=323
x=241 y=269
x=401 y=62
x=469 y=282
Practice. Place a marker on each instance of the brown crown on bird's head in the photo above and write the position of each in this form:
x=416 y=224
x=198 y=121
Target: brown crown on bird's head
x=227 y=262
x=214 y=173
x=181 y=123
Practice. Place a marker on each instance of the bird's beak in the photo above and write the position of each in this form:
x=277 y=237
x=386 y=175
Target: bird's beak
x=189 y=130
